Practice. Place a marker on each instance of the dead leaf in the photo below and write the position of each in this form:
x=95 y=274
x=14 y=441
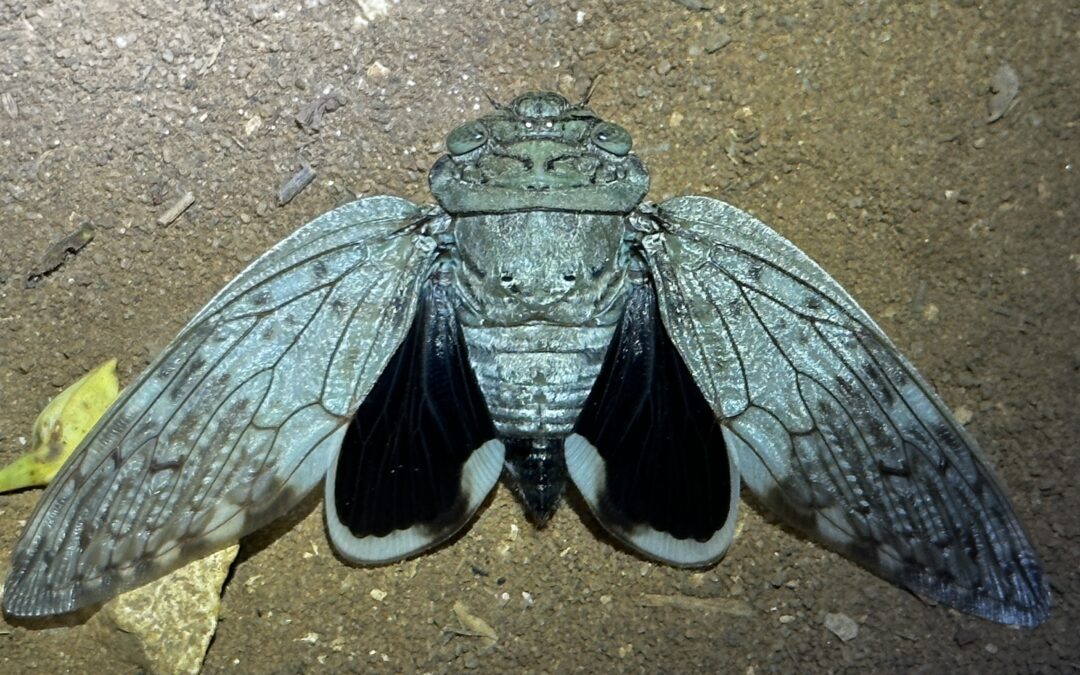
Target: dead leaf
x=310 y=117
x=58 y=253
x=473 y=626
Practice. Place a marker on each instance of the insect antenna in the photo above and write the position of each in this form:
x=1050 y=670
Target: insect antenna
x=493 y=101
x=591 y=90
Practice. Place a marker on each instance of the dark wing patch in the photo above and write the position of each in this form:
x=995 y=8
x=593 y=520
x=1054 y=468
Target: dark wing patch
x=647 y=452
x=420 y=454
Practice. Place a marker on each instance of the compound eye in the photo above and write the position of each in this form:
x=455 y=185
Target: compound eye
x=466 y=138
x=611 y=137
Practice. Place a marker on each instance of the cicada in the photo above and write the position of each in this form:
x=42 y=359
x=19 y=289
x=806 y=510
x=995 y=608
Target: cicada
x=545 y=323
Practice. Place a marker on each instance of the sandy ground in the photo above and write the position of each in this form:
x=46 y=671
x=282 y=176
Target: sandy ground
x=858 y=129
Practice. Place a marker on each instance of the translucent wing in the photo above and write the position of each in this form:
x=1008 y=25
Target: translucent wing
x=237 y=419
x=831 y=426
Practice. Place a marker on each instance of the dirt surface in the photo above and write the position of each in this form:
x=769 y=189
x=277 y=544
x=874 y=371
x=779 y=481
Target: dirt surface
x=859 y=130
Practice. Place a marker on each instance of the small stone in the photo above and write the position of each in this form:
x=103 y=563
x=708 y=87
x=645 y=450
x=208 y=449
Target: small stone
x=842 y=626
x=377 y=71
x=1004 y=88
x=373 y=9
x=166 y=626
x=252 y=125
x=258 y=12
x=964 y=636
x=610 y=39
x=787 y=21
x=378 y=594
x=720 y=39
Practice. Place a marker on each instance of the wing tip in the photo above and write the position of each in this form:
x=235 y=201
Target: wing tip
x=1005 y=611
x=1028 y=606
x=23 y=600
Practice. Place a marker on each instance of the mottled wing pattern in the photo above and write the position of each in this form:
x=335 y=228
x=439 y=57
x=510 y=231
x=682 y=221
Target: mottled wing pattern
x=237 y=419
x=831 y=426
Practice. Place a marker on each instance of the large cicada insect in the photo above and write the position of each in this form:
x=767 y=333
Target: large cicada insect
x=545 y=322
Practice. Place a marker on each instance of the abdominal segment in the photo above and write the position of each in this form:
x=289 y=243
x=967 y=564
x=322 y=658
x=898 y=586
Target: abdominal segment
x=536 y=378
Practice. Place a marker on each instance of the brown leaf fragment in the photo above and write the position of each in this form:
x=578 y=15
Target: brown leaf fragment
x=729 y=606
x=58 y=253
x=292 y=187
x=310 y=117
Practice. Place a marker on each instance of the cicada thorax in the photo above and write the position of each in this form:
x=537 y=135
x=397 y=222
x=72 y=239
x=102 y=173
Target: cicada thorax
x=541 y=292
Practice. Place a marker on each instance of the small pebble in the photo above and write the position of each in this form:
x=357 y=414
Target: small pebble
x=964 y=636
x=1004 y=88
x=720 y=39
x=695 y=5
x=842 y=626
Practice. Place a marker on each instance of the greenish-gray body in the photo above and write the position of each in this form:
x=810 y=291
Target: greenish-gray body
x=541 y=292
x=536 y=378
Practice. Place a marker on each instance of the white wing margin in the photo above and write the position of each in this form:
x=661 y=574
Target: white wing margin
x=237 y=419
x=830 y=425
